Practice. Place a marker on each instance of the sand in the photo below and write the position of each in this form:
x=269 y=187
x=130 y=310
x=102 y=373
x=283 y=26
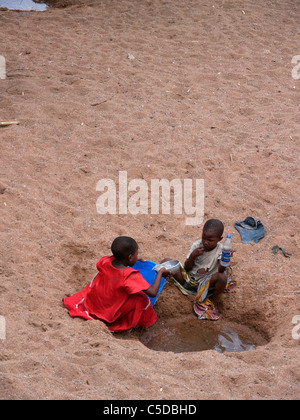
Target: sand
x=208 y=95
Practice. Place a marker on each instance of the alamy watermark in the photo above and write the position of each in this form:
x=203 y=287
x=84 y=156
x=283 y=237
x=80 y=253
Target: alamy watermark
x=296 y=69
x=296 y=329
x=2 y=328
x=2 y=67
x=155 y=198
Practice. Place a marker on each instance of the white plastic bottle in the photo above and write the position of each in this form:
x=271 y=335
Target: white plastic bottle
x=226 y=252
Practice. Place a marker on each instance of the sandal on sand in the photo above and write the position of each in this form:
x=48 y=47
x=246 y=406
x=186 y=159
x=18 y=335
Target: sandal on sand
x=200 y=310
x=213 y=314
x=206 y=312
x=229 y=287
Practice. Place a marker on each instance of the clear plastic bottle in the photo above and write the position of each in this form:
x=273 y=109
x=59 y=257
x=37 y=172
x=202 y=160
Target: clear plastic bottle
x=226 y=252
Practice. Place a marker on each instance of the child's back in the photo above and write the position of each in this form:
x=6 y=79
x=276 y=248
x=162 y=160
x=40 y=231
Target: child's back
x=118 y=293
x=111 y=288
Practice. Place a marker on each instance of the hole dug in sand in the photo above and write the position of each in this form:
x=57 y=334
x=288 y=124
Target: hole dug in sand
x=184 y=332
x=190 y=335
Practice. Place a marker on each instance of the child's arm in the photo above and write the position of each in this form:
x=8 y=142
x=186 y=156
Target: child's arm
x=153 y=290
x=188 y=265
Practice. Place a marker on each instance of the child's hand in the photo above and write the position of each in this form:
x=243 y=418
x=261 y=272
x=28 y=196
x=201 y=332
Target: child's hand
x=197 y=252
x=165 y=273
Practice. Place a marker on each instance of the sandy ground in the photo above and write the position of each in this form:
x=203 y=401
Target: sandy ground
x=209 y=95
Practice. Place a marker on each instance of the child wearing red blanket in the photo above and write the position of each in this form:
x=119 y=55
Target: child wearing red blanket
x=118 y=293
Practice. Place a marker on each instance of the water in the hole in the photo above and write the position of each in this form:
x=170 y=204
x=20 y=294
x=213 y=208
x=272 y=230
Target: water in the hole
x=194 y=335
x=24 y=5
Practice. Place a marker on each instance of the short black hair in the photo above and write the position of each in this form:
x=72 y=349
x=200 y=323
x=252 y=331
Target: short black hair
x=123 y=246
x=214 y=225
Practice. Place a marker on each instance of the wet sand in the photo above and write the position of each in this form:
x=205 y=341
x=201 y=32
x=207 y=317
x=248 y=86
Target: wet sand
x=209 y=95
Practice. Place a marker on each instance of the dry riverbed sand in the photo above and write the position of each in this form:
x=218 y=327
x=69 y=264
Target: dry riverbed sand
x=159 y=89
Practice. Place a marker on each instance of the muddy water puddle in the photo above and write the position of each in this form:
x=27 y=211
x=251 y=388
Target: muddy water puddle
x=24 y=5
x=194 y=335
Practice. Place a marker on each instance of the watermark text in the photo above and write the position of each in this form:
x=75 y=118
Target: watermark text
x=296 y=329
x=296 y=69
x=2 y=67
x=137 y=197
x=2 y=328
